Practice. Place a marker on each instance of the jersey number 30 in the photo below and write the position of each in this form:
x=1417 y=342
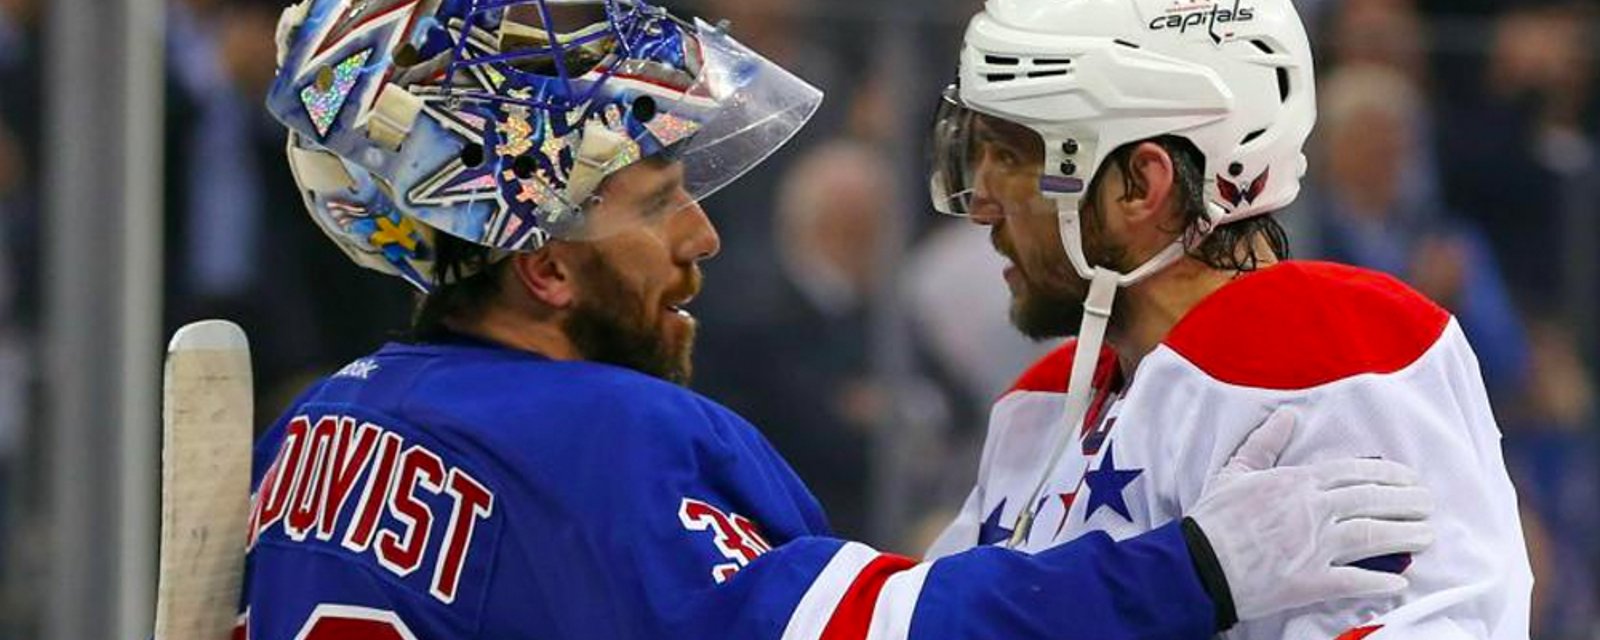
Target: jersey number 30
x=737 y=538
x=340 y=622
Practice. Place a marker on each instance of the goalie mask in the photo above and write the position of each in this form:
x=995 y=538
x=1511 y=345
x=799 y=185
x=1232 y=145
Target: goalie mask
x=496 y=121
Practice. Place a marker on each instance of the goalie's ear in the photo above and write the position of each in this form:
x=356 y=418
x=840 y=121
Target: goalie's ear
x=546 y=275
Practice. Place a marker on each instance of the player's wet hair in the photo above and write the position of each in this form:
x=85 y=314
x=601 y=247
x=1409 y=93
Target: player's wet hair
x=454 y=296
x=1230 y=247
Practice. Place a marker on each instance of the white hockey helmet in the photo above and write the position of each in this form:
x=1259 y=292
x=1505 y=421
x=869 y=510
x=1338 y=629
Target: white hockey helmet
x=1233 y=77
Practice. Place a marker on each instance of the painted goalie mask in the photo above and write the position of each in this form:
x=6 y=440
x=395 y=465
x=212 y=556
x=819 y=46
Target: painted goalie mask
x=496 y=121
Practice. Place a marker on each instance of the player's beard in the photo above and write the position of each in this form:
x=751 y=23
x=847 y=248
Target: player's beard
x=1049 y=306
x=615 y=324
x=1043 y=312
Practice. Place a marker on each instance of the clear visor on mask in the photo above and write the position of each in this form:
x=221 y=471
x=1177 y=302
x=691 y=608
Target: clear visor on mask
x=762 y=106
x=740 y=111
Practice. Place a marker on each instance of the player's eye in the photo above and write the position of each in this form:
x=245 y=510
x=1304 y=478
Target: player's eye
x=661 y=205
x=1001 y=157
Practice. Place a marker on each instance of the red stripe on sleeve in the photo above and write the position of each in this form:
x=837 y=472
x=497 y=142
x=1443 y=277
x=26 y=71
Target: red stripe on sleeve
x=1359 y=632
x=853 y=617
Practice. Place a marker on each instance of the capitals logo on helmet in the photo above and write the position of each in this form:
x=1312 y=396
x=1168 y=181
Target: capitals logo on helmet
x=494 y=122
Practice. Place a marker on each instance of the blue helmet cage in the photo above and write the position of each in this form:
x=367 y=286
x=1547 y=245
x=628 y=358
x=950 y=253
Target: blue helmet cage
x=629 y=29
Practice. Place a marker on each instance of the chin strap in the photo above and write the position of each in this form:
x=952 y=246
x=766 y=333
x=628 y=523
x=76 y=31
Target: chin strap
x=1091 y=335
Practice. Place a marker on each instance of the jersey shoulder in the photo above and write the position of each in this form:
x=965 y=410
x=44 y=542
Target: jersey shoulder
x=1050 y=372
x=519 y=408
x=1302 y=324
x=492 y=388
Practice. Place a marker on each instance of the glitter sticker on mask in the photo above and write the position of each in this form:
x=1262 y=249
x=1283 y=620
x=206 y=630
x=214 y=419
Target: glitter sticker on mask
x=516 y=132
x=323 y=104
x=670 y=129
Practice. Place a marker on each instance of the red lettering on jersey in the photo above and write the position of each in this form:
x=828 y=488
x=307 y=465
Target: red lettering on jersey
x=751 y=533
x=365 y=525
x=473 y=502
x=269 y=484
x=351 y=456
x=402 y=553
x=736 y=536
x=277 y=501
x=343 y=622
x=311 y=479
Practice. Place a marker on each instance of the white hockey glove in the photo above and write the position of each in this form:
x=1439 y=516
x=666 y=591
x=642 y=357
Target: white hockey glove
x=1267 y=539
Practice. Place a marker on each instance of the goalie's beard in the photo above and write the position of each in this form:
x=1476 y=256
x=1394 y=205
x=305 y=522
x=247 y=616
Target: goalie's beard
x=614 y=324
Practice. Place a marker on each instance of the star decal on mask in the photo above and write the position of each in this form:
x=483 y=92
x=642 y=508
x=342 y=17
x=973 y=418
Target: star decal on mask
x=456 y=182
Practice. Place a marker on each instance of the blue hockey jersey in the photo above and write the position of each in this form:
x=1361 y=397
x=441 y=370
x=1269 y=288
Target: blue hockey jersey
x=464 y=490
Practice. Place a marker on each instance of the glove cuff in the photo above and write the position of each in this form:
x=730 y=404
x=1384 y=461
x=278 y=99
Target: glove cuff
x=1209 y=569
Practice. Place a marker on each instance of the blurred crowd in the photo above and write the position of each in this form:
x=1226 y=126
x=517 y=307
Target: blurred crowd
x=1456 y=149
x=20 y=292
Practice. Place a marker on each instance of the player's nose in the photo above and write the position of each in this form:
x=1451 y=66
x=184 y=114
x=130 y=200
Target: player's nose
x=985 y=210
x=700 y=240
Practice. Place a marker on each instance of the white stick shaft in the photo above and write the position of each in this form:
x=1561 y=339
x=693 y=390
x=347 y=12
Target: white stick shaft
x=205 y=474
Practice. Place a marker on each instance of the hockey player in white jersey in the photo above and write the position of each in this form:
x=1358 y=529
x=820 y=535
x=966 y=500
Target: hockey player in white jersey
x=1127 y=156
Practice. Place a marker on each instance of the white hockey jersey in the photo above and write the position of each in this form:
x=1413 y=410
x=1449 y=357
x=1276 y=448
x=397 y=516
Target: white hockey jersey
x=1373 y=369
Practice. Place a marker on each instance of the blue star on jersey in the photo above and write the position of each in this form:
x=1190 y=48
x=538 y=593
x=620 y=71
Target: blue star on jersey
x=1106 y=485
x=990 y=531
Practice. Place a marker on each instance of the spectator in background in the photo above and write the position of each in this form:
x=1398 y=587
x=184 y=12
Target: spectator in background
x=1522 y=148
x=807 y=374
x=1553 y=455
x=19 y=301
x=964 y=320
x=222 y=185
x=1387 y=33
x=16 y=364
x=20 y=125
x=1390 y=34
x=730 y=315
x=1366 y=137
x=239 y=243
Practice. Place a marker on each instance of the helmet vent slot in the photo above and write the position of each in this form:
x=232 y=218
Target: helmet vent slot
x=1002 y=61
x=1001 y=77
x=1127 y=44
x=1050 y=73
x=1052 y=62
x=1283 y=84
x=1251 y=137
x=1263 y=46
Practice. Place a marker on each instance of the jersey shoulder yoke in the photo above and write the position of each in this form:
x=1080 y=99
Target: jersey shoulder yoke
x=1299 y=325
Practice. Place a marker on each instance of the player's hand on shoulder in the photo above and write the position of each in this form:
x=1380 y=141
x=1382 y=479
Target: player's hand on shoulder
x=1287 y=537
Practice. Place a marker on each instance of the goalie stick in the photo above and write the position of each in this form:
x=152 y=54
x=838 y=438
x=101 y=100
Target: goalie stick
x=205 y=481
